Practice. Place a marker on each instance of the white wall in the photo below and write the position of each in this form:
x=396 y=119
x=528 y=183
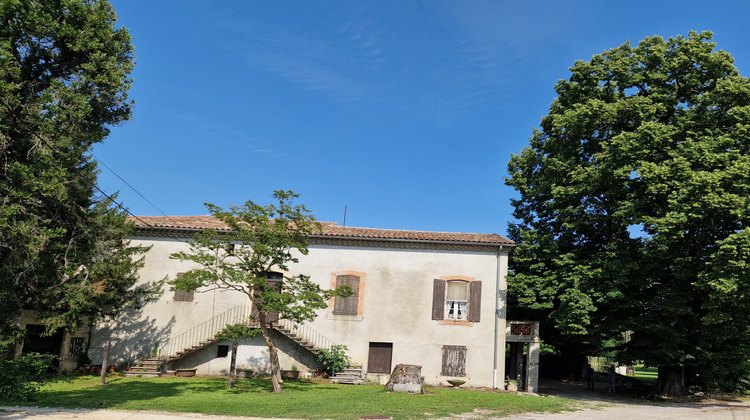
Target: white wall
x=396 y=309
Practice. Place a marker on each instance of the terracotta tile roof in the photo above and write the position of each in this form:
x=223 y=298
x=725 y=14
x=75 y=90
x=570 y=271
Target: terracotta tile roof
x=330 y=229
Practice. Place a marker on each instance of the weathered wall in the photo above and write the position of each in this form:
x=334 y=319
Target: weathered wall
x=395 y=308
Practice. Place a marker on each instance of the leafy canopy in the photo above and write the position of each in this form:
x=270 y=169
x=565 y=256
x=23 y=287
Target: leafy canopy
x=64 y=74
x=634 y=208
x=258 y=244
x=258 y=240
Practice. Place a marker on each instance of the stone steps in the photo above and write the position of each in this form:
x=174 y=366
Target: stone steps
x=349 y=375
x=146 y=368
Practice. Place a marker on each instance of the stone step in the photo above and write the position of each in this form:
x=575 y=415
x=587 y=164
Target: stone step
x=130 y=374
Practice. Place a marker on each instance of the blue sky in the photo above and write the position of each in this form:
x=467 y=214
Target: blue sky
x=405 y=112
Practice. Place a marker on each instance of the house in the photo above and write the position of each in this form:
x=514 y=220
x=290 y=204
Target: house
x=434 y=299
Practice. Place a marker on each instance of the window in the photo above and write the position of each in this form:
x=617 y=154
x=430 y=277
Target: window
x=76 y=346
x=457 y=300
x=379 y=358
x=222 y=351
x=275 y=280
x=347 y=305
x=454 y=361
x=181 y=295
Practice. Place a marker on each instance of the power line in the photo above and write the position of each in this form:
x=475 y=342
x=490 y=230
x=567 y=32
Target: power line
x=41 y=139
x=128 y=184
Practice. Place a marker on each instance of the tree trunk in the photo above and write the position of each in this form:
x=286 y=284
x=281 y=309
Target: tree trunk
x=105 y=363
x=671 y=381
x=233 y=365
x=273 y=354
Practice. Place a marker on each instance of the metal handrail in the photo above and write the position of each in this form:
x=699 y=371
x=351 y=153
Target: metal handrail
x=205 y=333
x=305 y=333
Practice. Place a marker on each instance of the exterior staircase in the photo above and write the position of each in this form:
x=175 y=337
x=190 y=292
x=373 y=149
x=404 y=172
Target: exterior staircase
x=349 y=375
x=204 y=334
x=146 y=368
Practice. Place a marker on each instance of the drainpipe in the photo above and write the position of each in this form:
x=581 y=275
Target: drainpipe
x=497 y=314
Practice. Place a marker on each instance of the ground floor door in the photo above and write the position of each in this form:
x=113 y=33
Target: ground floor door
x=379 y=360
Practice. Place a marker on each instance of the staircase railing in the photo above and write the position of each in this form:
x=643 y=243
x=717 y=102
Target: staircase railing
x=305 y=333
x=204 y=332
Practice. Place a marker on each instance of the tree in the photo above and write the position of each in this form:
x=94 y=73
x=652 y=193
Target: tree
x=634 y=211
x=63 y=80
x=260 y=243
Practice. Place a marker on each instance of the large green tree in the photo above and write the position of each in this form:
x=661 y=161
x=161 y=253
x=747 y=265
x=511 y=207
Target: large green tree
x=64 y=73
x=634 y=211
x=253 y=257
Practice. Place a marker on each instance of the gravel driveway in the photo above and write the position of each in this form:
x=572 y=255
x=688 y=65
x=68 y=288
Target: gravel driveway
x=610 y=407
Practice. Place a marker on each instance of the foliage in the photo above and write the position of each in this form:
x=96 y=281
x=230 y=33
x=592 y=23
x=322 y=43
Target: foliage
x=334 y=358
x=301 y=399
x=63 y=81
x=20 y=379
x=259 y=240
x=634 y=209
x=235 y=332
x=83 y=359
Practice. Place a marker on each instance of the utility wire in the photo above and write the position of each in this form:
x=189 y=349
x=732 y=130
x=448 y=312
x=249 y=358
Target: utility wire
x=41 y=139
x=128 y=184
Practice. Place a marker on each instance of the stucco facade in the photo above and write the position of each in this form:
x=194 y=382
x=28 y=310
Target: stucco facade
x=402 y=279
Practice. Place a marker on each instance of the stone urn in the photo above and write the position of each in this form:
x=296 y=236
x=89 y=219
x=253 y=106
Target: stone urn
x=456 y=382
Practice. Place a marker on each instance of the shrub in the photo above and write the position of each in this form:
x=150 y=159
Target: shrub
x=334 y=358
x=20 y=379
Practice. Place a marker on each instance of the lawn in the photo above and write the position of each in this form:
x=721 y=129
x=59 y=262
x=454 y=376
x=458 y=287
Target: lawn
x=645 y=374
x=300 y=399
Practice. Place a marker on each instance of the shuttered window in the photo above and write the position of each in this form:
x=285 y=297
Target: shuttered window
x=273 y=280
x=348 y=305
x=182 y=295
x=456 y=300
x=454 y=361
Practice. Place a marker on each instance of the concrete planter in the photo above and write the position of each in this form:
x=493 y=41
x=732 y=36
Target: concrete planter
x=186 y=373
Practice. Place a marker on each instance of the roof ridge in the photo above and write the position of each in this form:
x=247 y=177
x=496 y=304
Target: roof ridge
x=330 y=229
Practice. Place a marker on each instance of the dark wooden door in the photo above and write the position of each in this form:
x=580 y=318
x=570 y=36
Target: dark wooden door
x=379 y=360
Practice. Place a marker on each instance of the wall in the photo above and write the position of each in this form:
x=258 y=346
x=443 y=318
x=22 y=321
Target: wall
x=395 y=308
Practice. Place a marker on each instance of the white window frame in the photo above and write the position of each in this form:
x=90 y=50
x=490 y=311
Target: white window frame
x=457 y=310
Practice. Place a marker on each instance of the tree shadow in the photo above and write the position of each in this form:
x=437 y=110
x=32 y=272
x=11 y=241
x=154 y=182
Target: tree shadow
x=132 y=335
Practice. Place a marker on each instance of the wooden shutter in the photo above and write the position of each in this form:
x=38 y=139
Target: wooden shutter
x=438 y=299
x=475 y=301
x=274 y=281
x=454 y=361
x=182 y=295
x=379 y=358
x=348 y=305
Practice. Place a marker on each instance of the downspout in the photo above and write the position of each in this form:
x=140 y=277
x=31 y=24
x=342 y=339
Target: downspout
x=497 y=314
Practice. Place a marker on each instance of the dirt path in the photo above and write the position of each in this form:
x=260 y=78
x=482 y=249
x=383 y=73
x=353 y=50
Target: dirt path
x=37 y=413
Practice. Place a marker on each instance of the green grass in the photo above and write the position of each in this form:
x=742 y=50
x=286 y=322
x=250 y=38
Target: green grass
x=644 y=374
x=300 y=399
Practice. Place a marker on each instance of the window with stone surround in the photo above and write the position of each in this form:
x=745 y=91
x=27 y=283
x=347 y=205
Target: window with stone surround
x=456 y=299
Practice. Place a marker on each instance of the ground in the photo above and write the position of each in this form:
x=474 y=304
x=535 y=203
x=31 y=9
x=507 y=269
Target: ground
x=602 y=406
